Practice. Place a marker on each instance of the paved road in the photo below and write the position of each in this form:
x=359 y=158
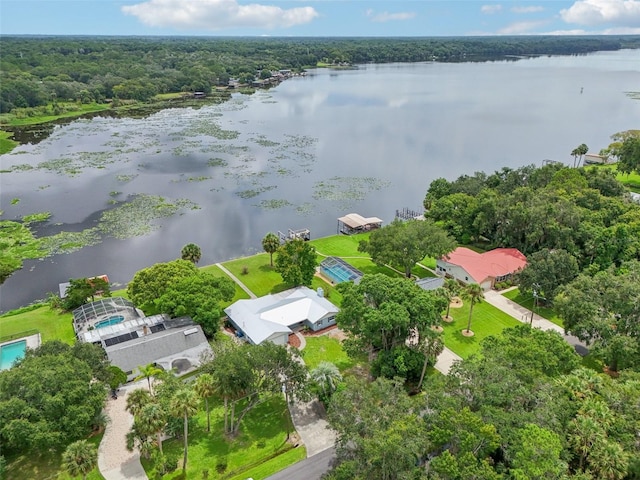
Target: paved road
x=310 y=469
x=445 y=361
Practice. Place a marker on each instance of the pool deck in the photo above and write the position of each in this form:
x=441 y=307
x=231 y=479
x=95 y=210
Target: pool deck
x=33 y=341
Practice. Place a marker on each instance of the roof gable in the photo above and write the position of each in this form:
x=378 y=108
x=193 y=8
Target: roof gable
x=494 y=263
x=260 y=318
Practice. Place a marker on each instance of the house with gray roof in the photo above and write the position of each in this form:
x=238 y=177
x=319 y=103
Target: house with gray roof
x=179 y=346
x=274 y=317
x=131 y=339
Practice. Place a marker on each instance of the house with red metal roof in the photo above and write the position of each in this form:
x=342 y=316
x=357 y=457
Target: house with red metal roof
x=486 y=269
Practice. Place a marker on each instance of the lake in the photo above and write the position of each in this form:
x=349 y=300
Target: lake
x=368 y=140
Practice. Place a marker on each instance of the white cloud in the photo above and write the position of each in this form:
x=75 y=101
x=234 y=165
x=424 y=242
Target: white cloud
x=522 y=28
x=217 y=14
x=489 y=9
x=606 y=31
x=386 y=16
x=597 y=12
x=530 y=9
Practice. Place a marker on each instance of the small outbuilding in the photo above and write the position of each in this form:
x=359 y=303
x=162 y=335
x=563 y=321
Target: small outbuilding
x=274 y=317
x=354 y=223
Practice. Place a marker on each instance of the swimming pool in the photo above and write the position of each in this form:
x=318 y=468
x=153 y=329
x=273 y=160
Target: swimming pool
x=10 y=352
x=112 y=320
x=339 y=271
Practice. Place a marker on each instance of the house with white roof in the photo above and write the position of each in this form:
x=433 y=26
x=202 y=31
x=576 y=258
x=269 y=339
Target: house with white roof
x=274 y=317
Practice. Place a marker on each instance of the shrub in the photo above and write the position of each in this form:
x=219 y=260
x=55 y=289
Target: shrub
x=221 y=465
x=245 y=270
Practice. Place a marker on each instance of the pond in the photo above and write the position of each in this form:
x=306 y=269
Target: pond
x=367 y=141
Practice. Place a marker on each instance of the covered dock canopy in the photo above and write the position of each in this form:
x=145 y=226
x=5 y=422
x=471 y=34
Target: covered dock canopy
x=355 y=223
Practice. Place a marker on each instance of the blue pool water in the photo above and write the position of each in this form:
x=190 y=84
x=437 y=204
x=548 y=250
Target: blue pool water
x=338 y=273
x=109 y=321
x=10 y=352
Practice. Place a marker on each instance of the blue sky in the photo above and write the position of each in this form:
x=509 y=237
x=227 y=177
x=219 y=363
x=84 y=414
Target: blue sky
x=318 y=17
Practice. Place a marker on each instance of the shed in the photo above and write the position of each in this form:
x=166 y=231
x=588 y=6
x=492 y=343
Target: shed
x=355 y=223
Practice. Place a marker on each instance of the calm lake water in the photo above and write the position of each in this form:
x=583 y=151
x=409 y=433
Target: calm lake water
x=300 y=155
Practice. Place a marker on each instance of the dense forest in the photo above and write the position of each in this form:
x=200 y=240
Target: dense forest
x=37 y=71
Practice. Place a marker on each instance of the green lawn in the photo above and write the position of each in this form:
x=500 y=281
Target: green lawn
x=486 y=321
x=52 y=325
x=340 y=245
x=260 y=278
x=47 y=465
x=274 y=465
x=240 y=293
x=631 y=180
x=324 y=348
x=262 y=437
x=75 y=110
x=6 y=142
x=527 y=302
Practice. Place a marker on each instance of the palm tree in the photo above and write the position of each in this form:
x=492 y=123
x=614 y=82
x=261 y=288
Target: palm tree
x=271 y=243
x=152 y=418
x=191 y=252
x=136 y=400
x=80 y=458
x=184 y=404
x=327 y=376
x=205 y=388
x=474 y=294
x=430 y=345
x=148 y=371
x=451 y=288
x=582 y=151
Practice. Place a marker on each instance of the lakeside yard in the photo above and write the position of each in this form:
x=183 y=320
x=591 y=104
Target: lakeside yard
x=261 y=449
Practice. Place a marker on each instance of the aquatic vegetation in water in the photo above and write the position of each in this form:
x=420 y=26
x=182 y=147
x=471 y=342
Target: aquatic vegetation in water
x=68 y=242
x=255 y=192
x=126 y=178
x=305 y=209
x=347 y=189
x=273 y=204
x=217 y=162
x=36 y=217
x=138 y=216
x=263 y=141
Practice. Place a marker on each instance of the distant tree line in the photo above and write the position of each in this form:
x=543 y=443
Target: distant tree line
x=36 y=71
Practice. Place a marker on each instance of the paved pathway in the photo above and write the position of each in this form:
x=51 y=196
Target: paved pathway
x=446 y=360
x=115 y=462
x=524 y=315
x=311 y=425
x=237 y=280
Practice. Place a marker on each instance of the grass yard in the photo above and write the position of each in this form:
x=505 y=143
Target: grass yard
x=544 y=312
x=262 y=439
x=260 y=278
x=274 y=465
x=487 y=320
x=6 y=142
x=324 y=348
x=632 y=180
x=75 y=110
x=340 y=245
x=240 y=293
x=51 y=324
x=46 y=465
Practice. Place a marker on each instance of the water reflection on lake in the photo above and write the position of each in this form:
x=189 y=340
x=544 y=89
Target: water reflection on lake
x=368 y=140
